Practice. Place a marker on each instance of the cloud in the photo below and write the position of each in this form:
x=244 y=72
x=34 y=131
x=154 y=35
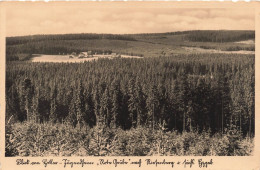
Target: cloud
x=27 y=20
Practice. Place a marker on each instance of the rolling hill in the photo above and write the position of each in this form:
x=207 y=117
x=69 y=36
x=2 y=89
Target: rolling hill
x=147 y=45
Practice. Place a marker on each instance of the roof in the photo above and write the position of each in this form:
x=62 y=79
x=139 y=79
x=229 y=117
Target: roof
x=85 y=53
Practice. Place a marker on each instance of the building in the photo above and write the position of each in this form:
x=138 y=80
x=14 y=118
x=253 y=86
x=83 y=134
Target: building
x=115 y=55
x=90 y=54
x=83 y=55
x=72 y=55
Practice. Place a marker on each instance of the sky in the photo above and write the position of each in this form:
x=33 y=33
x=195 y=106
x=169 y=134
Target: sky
x=116 y=19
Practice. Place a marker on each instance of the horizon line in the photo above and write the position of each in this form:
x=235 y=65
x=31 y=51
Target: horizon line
x=28 y=35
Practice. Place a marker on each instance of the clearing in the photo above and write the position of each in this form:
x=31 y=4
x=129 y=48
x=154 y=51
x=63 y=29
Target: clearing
x=65 y=58
x=201 y=50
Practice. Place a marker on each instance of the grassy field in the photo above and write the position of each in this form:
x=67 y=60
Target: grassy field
x=66 y=58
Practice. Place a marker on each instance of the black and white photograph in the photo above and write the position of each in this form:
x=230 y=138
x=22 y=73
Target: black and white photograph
x=113 y=79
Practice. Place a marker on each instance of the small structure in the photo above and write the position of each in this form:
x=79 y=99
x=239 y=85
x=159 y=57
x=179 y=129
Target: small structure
x=85 y=54
x=115 y=55
x=89 y=54
x=72 y=55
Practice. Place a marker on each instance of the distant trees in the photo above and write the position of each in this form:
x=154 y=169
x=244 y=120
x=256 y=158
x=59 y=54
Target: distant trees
x=186 y=93
x=37 y=38
x=220 y=36
x=22 y=48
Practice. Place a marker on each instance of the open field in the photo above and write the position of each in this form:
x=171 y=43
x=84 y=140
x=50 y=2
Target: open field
x=193 y=50
x=184 y=50
x=65 y=58
x=247 y=42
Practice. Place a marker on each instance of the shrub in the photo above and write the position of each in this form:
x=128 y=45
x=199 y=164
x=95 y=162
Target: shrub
x=32 y=139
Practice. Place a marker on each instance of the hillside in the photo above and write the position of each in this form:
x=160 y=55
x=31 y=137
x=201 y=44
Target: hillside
x=147 y=45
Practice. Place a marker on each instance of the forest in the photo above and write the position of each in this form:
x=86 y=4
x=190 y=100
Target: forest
x=199 y=35
x=196 y=104
x=220 y=36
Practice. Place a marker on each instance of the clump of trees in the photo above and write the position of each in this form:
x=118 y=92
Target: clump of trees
x=220 y=36
x=62 y=37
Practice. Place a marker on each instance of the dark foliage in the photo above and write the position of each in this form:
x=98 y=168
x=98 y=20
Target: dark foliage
x=183 y=93
x=220 y=36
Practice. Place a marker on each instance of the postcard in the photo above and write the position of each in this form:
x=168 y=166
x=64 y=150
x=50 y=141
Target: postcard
x=129 y=85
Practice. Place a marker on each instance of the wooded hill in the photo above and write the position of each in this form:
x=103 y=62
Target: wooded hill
x=156 y=44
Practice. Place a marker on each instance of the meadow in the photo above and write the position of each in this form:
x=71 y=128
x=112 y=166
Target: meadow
x=66 y=58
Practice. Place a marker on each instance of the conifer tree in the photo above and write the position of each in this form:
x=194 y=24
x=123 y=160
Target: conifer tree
x=132 y=102
x=90 y=117
x=53 y=107
x=105 y=107
x=152 y=105
x=35 y=106
x=27 y=98
x=116 y=104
